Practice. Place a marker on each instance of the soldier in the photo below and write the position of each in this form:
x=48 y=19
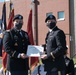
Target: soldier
x=55 y=48
x=15 y=43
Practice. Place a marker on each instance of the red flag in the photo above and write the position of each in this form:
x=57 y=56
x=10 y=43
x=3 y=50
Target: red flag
x=33 y=60
x=10 y=21
x=29 y=28
x=10 y=24
x=4 y=60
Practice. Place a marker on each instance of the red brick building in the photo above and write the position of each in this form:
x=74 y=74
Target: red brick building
x=60 y=8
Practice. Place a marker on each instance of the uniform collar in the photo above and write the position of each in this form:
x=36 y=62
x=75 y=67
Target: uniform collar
x=16 y=30
x=50 y=30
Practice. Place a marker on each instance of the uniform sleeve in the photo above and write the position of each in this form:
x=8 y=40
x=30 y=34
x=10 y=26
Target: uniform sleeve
x=7 y=44
x=61 y=44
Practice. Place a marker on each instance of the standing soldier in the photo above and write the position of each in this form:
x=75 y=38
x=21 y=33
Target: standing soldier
x=55 y=48
x=15 y=43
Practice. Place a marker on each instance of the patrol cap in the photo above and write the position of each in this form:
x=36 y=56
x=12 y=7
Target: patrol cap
x=50 y=17
x=18 y=16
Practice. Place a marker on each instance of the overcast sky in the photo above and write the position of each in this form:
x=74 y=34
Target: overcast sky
x=3 y=0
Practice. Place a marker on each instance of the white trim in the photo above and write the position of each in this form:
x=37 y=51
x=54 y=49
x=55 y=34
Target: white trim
x=61 y=19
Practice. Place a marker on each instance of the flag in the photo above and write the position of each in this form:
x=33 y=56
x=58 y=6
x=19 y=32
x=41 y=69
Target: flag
x=10 y=21
x=29 y=28
x=33 y=60
x=4 y=60
x=10 y=24
x=3 y=24
x=1 y=42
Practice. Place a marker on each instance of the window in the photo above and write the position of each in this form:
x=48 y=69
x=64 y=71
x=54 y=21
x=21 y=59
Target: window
x=47 y=14
x=61 y=15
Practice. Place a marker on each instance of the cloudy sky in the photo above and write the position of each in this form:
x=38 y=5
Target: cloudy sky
x=3 y=0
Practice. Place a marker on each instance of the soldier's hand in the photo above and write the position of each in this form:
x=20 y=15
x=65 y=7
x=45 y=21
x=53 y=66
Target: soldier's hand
x=44 y=56
x=23 y=56
x=1 y=35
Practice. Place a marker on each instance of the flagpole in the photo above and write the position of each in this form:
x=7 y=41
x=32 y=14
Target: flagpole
x=35 y=21
x=35 y=4
x=10 y=8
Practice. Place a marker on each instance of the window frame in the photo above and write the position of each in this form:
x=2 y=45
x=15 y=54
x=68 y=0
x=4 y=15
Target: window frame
x=59 y=19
